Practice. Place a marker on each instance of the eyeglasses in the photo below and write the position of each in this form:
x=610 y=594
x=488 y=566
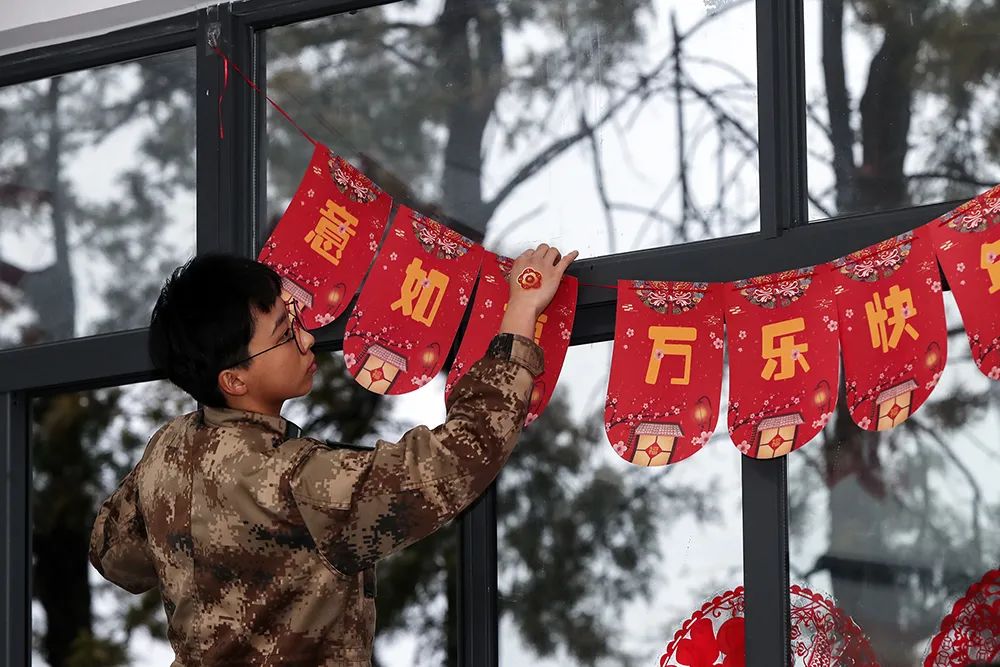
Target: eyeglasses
x=295 y=332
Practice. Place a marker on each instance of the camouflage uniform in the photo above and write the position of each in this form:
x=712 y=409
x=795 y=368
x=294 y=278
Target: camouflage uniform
x=263 y=543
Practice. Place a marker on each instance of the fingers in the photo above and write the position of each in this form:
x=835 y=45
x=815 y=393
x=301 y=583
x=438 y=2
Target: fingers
x=567 y=260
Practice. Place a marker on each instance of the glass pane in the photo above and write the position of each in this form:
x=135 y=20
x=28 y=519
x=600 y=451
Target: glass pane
x=417 y=602
x=600 y=561
x=97 y=196
x=82 y=445
x=896 y=525
x=606 y=127
x=901 y=103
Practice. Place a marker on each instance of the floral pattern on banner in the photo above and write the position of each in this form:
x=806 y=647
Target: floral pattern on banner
x=327 y=237
x=893 y=336
x=970 y=634
x=967 y=244
x=669 y=297
x=439 y=240
x=666 y=374
x=822 y=635
x=783 y=363
x=776 y=290
x=407 y=316
x=552 y=329
x=876 y=262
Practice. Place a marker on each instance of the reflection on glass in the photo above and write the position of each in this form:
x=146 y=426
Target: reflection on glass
x=82 y=445
x=896 y=525
x=602 y=560
x=901 y=102
x=606 y=127
x=96 y=196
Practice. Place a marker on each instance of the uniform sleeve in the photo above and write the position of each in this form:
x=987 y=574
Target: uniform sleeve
x=118 y=546
x=361 y=506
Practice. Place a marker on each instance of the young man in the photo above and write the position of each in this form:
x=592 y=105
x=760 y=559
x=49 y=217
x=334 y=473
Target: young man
x=263 y=542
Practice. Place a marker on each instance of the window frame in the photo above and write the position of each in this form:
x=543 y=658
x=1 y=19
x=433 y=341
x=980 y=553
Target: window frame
x=230 y=200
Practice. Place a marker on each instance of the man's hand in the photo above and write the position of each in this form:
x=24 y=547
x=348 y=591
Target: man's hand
x=527 y=303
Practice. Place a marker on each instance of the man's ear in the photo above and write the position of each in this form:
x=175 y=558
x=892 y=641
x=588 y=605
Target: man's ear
x=231 y=384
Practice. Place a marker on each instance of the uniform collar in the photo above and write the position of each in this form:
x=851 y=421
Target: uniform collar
x=220 y=417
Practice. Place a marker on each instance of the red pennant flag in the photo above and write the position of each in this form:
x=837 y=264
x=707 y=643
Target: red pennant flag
x=412 y=304
x=967 y=244
x=783 y=363
x=666 y=370
x=325 y=241
x=552 y=329
x=892 y=328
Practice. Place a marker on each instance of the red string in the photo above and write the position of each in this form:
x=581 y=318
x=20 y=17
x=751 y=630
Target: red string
x=225 y=85
x=226 y=61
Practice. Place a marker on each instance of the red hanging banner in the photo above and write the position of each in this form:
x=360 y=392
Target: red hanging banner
x=666 y=370
x=552 y=329
x=967 y=244
x=412 y=304
x=892 y=328
x=325 y=241
x=783 y=362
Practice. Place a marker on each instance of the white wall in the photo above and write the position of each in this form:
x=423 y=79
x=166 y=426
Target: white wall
x=26 y=24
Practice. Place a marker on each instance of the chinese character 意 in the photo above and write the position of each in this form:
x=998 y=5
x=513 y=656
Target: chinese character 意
x=897 y=309
x=990 y=260
x=333 y=230
x=787 y=351
x=421 y=293
x=673 y=341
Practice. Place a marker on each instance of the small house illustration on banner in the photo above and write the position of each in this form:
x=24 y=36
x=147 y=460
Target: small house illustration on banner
x=380 y=369
x=892 y=406
x=776 y=435
x=303 y=296
x=652 y=444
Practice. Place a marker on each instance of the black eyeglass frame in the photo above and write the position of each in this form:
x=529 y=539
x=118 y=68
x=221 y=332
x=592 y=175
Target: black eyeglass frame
x=295 y=328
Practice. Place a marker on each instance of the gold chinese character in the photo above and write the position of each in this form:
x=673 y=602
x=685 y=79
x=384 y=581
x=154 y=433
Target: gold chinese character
x=333 y=230
x=427 y=289
x=990 y=260
x=900 y=303
x=787 y=350
x=661 y=348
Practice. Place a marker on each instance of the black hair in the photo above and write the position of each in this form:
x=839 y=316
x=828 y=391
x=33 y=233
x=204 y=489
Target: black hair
x=203 y=320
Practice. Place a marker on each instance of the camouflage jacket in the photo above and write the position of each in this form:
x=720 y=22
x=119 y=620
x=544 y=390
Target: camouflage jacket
x=263 y=543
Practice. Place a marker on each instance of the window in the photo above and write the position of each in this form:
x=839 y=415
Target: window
x=96 y=196
x=599 y=559
x=901 y=101
x=82 y=445
x=896 y=525
x=607 y=128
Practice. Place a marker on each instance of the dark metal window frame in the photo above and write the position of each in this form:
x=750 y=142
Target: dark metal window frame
x=229 y=205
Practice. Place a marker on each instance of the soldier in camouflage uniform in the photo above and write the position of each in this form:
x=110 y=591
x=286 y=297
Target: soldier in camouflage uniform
x=263 y=542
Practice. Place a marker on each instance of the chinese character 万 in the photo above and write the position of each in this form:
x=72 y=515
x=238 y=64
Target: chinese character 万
x=424 y=288
x=673 y=341
x=897 y=309
x=990 y=260
x=787 y=351
x=333 y=230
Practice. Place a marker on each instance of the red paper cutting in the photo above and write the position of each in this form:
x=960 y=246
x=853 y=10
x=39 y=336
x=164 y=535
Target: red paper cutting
x=967 y=244
x=892 y=328
x=666 y=370
x=970 y=634
x=327 y=237
x=413 y=302
x=783 y=363
x=552 y=329
x=822 y=634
